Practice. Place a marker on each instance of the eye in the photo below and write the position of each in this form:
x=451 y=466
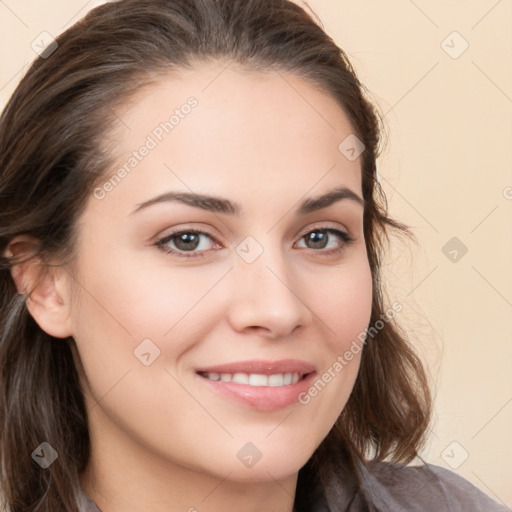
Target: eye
x=319 y=238
x=192 y=241
x=185 y=241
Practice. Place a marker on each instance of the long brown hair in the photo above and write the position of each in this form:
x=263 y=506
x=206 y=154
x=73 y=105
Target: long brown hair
x=53 y=152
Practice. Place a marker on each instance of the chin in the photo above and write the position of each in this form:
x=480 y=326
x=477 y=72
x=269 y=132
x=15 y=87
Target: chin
x=270 y=467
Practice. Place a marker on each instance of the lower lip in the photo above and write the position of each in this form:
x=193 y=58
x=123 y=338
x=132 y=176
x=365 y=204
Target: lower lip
x=262 y=398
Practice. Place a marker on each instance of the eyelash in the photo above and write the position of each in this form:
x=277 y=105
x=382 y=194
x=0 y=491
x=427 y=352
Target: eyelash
x=347 y=240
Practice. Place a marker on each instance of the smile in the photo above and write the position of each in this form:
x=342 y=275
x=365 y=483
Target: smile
x=256 y=379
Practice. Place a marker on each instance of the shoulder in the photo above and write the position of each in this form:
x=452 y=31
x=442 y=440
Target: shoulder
x=422 y=488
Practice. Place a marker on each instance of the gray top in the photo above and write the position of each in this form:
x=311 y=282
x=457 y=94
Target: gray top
x=391 y=488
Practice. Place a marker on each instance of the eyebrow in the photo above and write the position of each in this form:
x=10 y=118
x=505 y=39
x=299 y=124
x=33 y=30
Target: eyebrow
x=221 y=205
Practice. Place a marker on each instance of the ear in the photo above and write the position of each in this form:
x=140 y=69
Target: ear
x=45 y=287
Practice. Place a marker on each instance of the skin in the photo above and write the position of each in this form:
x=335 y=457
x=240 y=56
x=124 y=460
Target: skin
x=161 y=440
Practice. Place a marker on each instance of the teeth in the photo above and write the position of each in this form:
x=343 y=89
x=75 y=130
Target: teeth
x=241 y=378
x=276 y=380
x=256 y=379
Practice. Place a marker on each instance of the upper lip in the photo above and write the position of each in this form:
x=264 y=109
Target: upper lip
x=260 y=366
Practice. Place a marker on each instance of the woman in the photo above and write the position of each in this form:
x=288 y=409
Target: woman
x=192 y=314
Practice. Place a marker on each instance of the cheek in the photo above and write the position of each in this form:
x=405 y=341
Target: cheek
x=126 y=305
x=343 y=303
x=130 y=302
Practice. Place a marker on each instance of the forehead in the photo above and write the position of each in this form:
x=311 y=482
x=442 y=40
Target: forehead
x=220 y=127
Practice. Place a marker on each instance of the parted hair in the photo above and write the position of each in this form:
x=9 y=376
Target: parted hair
x=52 y=154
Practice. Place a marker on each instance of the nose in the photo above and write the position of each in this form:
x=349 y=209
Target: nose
x=267 y=298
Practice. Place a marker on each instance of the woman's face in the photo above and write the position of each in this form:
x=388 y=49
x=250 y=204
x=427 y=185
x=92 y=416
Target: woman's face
x=266 y=291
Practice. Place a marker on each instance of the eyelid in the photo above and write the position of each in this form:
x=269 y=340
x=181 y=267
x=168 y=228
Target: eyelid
x=340 y=232
x=324 y=227
x=160 y=243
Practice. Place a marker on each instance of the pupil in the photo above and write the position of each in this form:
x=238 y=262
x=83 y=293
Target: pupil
x=186 y=240
x=318 y=238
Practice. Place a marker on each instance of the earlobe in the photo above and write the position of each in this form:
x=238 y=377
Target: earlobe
x=43 y=286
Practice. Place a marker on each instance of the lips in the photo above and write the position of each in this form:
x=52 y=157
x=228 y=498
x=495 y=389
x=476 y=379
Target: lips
x=261 y=385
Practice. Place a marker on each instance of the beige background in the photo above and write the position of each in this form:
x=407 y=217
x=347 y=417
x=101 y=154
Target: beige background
x=447 y=173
